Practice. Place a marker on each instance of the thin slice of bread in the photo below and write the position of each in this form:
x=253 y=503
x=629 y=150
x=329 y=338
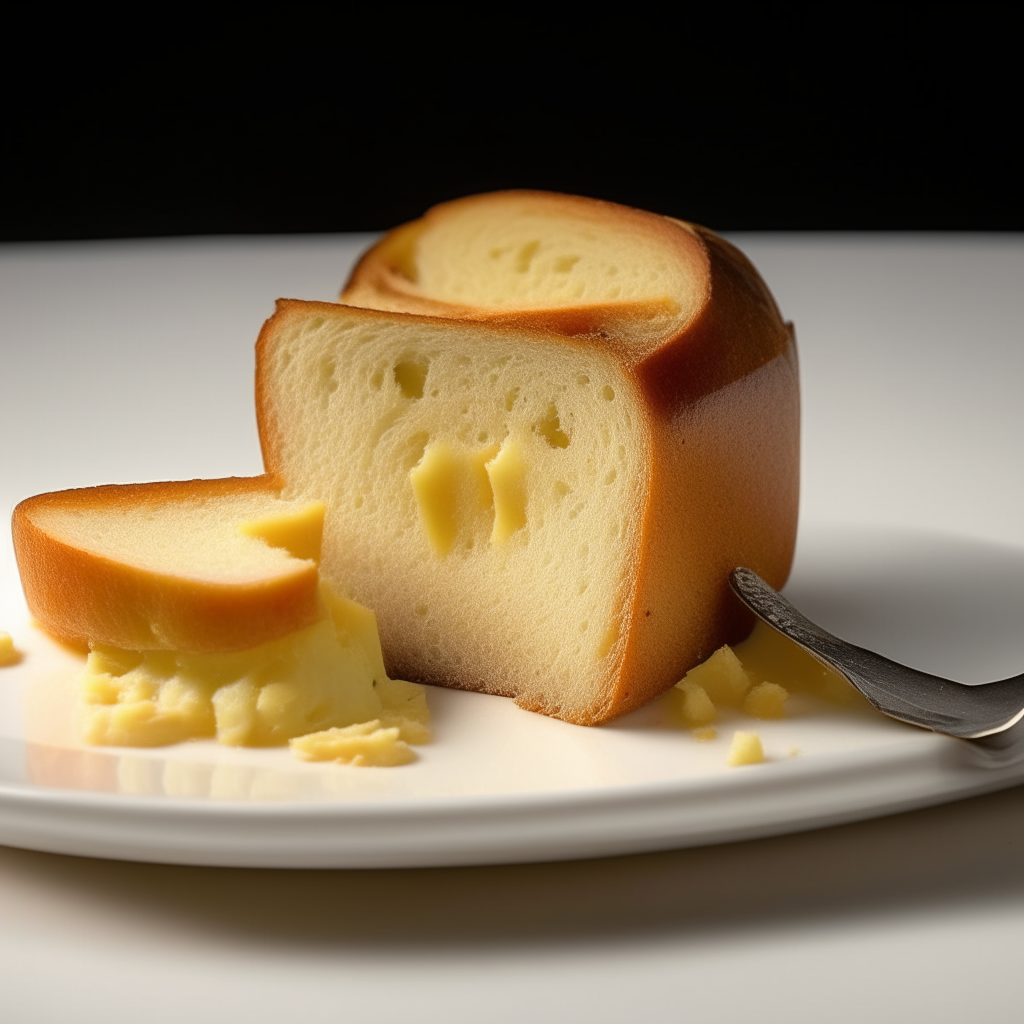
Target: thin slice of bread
x=636 y=280
x=202 y=566
x=561 y=262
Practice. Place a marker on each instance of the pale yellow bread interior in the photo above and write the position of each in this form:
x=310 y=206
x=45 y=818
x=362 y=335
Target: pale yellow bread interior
x=198 y=539
x=713 y=367
x=204 y=565
x=500 y=255
x=484 y=490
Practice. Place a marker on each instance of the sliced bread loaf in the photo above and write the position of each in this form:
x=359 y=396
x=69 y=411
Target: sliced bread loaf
x=534 y=514
x=709 y=358
x=201 y=566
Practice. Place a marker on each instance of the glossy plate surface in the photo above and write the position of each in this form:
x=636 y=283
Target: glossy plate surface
x=133 y=361
x=500 y=784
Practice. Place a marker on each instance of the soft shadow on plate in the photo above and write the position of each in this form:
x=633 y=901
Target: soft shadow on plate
x=965 y=853
x=947 y=605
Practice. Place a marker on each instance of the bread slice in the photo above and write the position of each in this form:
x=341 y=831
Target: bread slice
x=575 y=266
x=542 y=515
x=200 y=566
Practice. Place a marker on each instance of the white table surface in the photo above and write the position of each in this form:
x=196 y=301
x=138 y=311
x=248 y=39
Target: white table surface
x=912 y=352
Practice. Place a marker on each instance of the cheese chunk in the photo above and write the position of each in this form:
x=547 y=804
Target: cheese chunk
x=298 y=530
x=746 y=748
x=722 y=677
x=9 y=654
x=328 y=676
x=766 y=700
x=368 y=744
x=690 y=706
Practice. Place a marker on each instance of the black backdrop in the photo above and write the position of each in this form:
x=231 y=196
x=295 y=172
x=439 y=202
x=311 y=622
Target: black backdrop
x=170 y=120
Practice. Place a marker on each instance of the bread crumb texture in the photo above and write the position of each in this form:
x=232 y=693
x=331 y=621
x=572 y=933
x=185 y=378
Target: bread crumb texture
x=484 y=485
x=746 y=748
x=523 y=251
x=327 y=680
x=9 y=654
x=220 y=538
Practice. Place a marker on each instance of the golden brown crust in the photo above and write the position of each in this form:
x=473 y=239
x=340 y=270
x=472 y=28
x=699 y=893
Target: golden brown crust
x=82 y=597
x=721 y=394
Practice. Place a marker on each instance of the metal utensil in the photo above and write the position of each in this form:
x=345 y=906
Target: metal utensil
x=988 y=716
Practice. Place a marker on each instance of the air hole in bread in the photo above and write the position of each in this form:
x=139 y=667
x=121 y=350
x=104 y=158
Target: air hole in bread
x=551 y=429
x=417 y=445
x=410 y=376
x=525 y=256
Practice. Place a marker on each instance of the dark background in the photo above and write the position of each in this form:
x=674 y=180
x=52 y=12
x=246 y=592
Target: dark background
x=171 y=120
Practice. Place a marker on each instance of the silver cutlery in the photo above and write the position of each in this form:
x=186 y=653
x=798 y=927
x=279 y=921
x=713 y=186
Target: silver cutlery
x=987 y=716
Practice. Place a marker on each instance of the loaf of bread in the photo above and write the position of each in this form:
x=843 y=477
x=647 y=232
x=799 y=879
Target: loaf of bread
x=201 y=566
x=551 y=432
x=544 y=429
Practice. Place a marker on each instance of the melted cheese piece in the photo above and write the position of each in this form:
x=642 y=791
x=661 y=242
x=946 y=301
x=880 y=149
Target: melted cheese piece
x=464 y=495
x=767 y=656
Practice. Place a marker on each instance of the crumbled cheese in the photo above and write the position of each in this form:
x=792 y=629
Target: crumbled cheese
x=746 y=749
x=690 y=705
x=766 y=700
x=365 y=745
x=722 y=678
x=9 y=654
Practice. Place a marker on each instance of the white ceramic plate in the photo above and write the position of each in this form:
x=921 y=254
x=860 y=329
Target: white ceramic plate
x=500 y=784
